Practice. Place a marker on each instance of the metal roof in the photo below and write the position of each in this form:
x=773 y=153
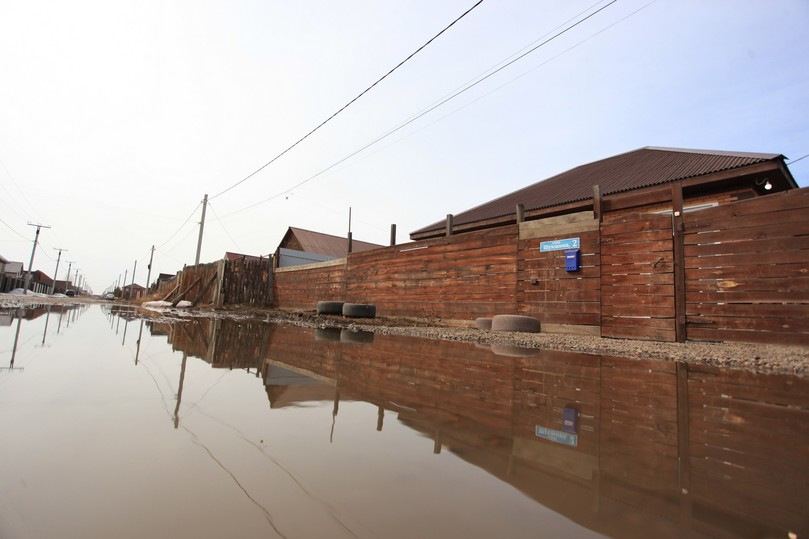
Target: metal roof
x=326 y=244
x=637 y=169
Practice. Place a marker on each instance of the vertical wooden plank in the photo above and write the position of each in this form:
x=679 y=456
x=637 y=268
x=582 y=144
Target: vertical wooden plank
x=680 y=330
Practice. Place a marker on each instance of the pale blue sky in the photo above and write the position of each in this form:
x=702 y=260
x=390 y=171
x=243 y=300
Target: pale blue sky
x=117 y=117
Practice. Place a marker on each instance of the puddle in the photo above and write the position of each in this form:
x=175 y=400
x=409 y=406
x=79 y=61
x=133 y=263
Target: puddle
x=115 y=425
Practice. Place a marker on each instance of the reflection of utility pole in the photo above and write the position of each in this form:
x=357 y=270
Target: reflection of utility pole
x=56 y=271
x=180 y=392
x=137 y=344
x=31 y=262
x=14 y=350
x=47 y=317
x=126 y=325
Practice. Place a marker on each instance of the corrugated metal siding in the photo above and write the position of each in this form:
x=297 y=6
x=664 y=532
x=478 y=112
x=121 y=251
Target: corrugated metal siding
x=641 y=168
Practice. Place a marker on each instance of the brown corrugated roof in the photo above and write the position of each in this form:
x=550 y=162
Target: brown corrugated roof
x=637 y=169
x=327 y=244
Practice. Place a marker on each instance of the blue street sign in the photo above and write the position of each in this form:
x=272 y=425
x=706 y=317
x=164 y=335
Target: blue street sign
x=560 y=245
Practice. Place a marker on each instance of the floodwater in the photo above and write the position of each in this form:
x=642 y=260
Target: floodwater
x=117 y=423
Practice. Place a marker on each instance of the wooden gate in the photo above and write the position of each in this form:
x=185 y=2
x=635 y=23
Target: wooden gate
x=747 y=270
x=637 y=277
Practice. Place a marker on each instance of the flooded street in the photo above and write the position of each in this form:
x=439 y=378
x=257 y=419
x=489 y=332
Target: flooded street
x=115 y=425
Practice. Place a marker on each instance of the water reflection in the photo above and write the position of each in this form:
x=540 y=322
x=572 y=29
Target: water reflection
x=32 y=312
x=620 y=447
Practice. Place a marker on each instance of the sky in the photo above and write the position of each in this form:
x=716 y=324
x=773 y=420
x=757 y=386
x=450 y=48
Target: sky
x=117 y=118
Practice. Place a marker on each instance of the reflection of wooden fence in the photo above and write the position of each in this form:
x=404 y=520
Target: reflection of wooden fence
x=737 y=271
x=674 y=448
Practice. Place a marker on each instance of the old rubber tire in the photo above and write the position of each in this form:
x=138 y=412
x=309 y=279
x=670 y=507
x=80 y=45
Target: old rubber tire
x=483 y=323
x=330 y=307
x=515 y=322
x=359 y=310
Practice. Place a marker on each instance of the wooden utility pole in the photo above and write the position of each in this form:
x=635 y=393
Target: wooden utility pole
x=31 y=262
x=133 y=279
x=201 y=228
x=149 y=273
x=56 y=271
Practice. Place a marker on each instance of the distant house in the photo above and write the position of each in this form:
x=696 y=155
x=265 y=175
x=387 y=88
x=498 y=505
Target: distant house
x=300 y=246
x=40 y=282
x=239 y=256
x=10 y=274
x=132 y=291
x=640 y=177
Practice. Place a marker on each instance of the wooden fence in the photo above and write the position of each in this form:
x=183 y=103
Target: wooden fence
x=747 y=270
x=735 y=272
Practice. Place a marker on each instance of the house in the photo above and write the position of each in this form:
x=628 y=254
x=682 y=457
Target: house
x=300 y=246
x=637 y=178
x=40 y=282
x=250 y=258
x=132 y=291
x=10 y=275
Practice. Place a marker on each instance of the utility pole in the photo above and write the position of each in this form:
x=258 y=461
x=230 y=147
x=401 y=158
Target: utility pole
x=56 y=271
x=133 y=279
x=76 y=281
x=201 y=228
x=123 y=283
x=67 y=277
x=149 y=273
x=348 y=249
x=31 y=262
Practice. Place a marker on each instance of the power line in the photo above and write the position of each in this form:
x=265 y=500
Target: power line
x=443 y=101
x=792 y=161
x=181 y=226
x=324 y=122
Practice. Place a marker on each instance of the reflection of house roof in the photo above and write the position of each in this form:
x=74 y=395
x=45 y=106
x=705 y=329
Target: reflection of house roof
x=286 y=387
x=323 y=244
x=645 y=167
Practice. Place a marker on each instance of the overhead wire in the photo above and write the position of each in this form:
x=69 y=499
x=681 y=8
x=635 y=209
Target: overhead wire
x=461 y=90
x=341 y=109
x=218 y=220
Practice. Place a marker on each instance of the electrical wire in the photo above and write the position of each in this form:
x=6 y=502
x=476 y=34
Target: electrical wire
x=791 y=162
x=181 y=226
x=218 y=220
x=324 y=122
x=436 y=105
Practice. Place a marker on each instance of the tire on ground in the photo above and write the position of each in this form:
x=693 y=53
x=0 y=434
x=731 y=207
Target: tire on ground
x=483 y=323
x=330 y=307
x=515 y=322
x=359 y=310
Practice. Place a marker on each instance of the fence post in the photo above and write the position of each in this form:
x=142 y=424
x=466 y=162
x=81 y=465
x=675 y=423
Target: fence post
x=677 y=225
